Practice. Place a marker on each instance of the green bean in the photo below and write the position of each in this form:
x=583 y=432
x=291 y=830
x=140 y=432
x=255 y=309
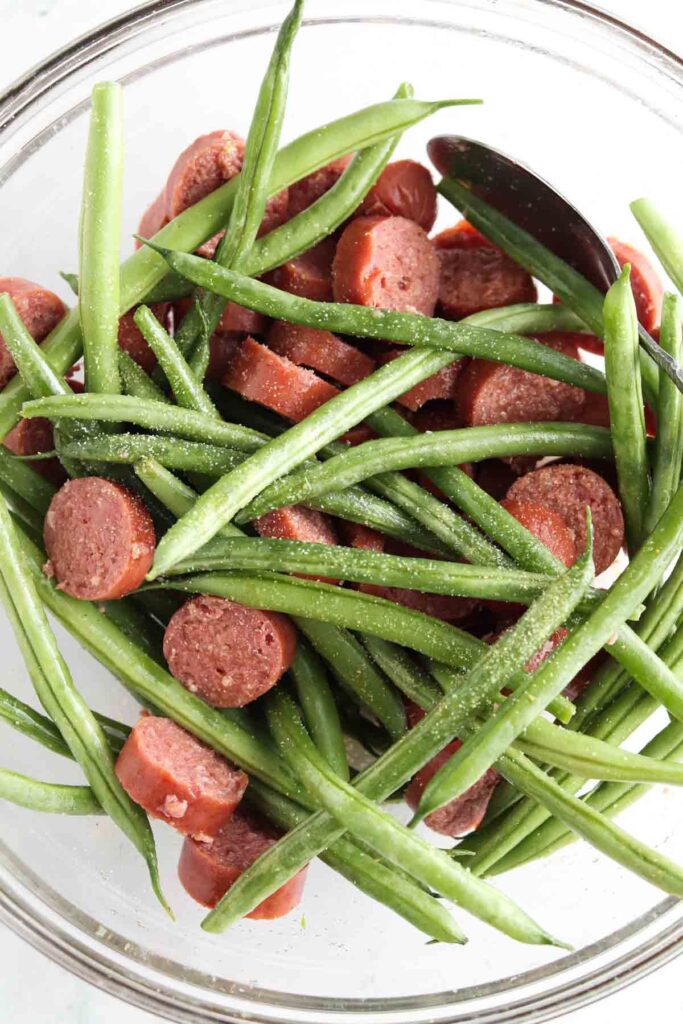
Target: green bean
x=598 y=830
x=34 y=489
x=368 y=322
x=35 y=370
x=136 y=383
x=624 y=394
x=26 y=720
x=663 y=237
x=146 y=413
x=528 y=318
x=171 y=452
x=221 y=502
x=669 y=439
x=377 y=829
x=48 y=797
x=424 y=574
x=30 y=518
x=187 y=390
x=372 y=876
x=574 y=290
x=445 y=447
x=483 y=747
x=100 y=240
x=60 y=698
x=351 y=665
x=407 y=674
x=318 y=707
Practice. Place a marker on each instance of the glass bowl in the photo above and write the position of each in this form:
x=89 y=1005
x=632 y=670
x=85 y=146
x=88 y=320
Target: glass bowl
x=595 y=108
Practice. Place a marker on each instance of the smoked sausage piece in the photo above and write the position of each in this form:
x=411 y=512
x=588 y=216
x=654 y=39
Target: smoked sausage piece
x=177 y=778
x=132 y=340
x=321 y=351
x=403 y=189
x=477 y=275
x=226 y=653
x=153 y=219
x=39 y=309
x=261 y=375
x=645 y=284
x=304 y=192
x=99 y=539
x=545 y=524
x=387 y=263
x=207 y=870
x=308 y=275
x=294 y=522
x=440 y=385
x=567 y=489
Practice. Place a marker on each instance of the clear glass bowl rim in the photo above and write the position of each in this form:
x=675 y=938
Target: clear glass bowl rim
x=181 y=999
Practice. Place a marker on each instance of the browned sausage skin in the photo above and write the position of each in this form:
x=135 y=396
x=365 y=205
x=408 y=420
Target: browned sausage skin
x=178 y=779
x=226 y=653
x=207 y=870
x=99 y=539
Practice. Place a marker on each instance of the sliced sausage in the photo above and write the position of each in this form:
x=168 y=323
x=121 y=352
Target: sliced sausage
x=261 y=375
x=477 y=275
x=403 y=189
x=304 y=192
x=177 y=778
x=645 y=284
x=363 y=537
x=99 y=539
x=388 y=263
x=545 y=524
x=153 y=219
x=132 y=340
x=321 y=351
x=39 y=310
x=226 y=653
x=204 y=166
x=488 y=393
x=567 y=489
x=235 y=319
x=466 y=812
x=595 y=412
x=30 y=437
x=440 y=385
x=358 y=435
x=207 y=870
x=294 y=522
x=495 y=477
x=223 y=346
x=308 y=275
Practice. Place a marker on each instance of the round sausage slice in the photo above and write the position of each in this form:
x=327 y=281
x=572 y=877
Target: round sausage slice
x=261 y=375
x=99 y=539
x=207 y=870
x=477 y=275
x=153 y=219
x=548 y=526
x=403 y=189
x=40 y=311
x=363 y=537
x=320 y=350
x=177 y=778
x=645 y=284
x=304 y=192
x=567 y=489
x=488 y=393
x=132 y=340
x=387 y=263
x=30 y=437
x=308 y=275
x=440 y=385
x=226 y=653
x=294 y=522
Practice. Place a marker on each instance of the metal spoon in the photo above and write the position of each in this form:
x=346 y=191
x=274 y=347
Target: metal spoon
x=536 y=207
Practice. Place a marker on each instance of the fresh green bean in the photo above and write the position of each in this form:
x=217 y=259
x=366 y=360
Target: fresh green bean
x=404 y=670
x=30 y=518
x=484 y=746
x=445 y=447
x=146 y=413
x=136 y=383
x=171 y=452
x=33 y=488
x=574 y=290
x=624 y=395
x=35 y=370
x=367 y=322
x=528 y=318
x=598 y=830
x=318 y=707
x=60 y=698
x=100 y=240
x=663 y=237
x=48 y=797
x=669 y=439
x=377 y=829
x=187 y=390
x=424 y=574
x=26 y=720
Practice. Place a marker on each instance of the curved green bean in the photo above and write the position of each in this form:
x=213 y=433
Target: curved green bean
x=100 y=240
x=48 y=797
x=666 y=471
x=26 y=720
x=625 y=398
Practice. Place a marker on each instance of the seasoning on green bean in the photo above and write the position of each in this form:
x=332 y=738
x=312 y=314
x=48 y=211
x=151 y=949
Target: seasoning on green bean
x=136 y=383
x=34 y=489
x=26 y=720
x=187 y=390
x=48 y=797
x=666 y=471
x=60 y=698
x=171 y=452
x=625 y=398
x=318 y=707
x=100 y=240
x=666 y=241
x=404 y=670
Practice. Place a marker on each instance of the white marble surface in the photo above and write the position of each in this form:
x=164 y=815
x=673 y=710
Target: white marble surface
x=36 y=991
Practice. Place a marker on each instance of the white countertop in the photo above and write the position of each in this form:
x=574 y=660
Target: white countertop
x=33 y=989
